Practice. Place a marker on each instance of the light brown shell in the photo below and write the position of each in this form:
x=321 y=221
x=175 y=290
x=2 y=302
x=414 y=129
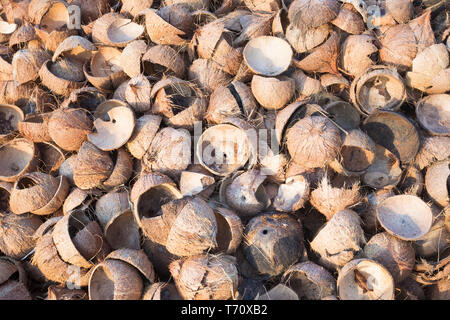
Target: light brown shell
x=436 y=182
x=344 y=114
x=385 y=171
x=358 y=151
x=306 y=41
x=193 y=184
x=349 y=20
x=307 y=14
x=11 y=116
x=113 y=29
x=35 y=127
x=357 y=50
x=164 y=56
x=421 y=26
x=292 y=195
x=75 y=47
x=405 y=216
x=433 y=114
x=60 y=77
x=434 y=148
x=26 y=64
x=137 y=259
x=377 y=279
x=273 y=93
x=18 y=157
x=279 y=292
x=130 y=60
x=398 y=46
x=161 y=31
x=144 y=132
x=161 y=291
x=207 y=75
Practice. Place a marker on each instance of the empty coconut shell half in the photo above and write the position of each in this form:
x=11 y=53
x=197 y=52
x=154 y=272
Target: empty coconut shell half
x=113 y=125
x=10 y=117
x=405 y=216
x=114 y=30
x=437 y=182
x=18 y=156
x=51 y=157
x=365 y=279
x=62 y=76
x=12 y=288
x=279 y=292
x=144 y=131
x=378 y=87
x=130 y=60
x=268 y=56
x=273 y=93
x=163 y=32
x=394 y=132
x=292 y=195
x=162 y=291
x=75 y=47
x=385 y=170
x=433 y=114
x=35 y=127
x=162 y=59
x=196 y=184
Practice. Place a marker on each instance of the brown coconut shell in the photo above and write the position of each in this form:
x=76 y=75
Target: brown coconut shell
x=130 y=60
x=169 y=152
x=273 y=93
x=207 y=75
x=137 y=259
x=145 y=130
x=5 y=192
x=279 y=292
x=137 y=93
x=344 y=114
x=76 y=199
x=16 y=234
x=313 y=141
x=358 y=54
x=398 y=46
x=161 y=291
x=305 y=85
x=115 y=280
x=87 y=98
x=93 y=166
x=431 y=114
x=368 y=212
x=385 y=171
x=253 y=26
x=206 y=277
x=27 y=96
x=62 y=293
x=114 y=125
x=306 y=41
x=365 y=279
x=436 y=182
x=358 y=151
x=51 y=157
x=329 y=200
x=10 y=117
x=161 y=31
x=405 y=216
x=66 y=168
x=340 y=240
x=432 y=149
x=35 y=127
x=114 y=30
x=292 y=195
x=435 y=241
x=349 y=20
x=23 y=34
x=273 y=242
x=164 y=59
x=421 y=26
x=75 y=47
x=15 y=11
x=396 y=255
x=403 y=137
x=123 y=169
x=310 y=281
x=10 y=288
x=229 y=230
x=262 y=5
x=26 y=64
x=18 y=157
x=400 y=10
x=308 y=14
x=62 y=77
x=69 y=128
x=196 y=184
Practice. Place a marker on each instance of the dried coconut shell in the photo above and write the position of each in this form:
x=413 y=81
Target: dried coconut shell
x=405 y=216
x=349 y=20
x=421 y=26
x=51 y=157
x=357 y=52
x=161 y=31
x=398 y=46
x=196 y=184
x=76 y=199
x=28 y=96
x=400 y=10
x=262 y=5
x=137 y=93
x=123 y=169
x=10 y=117
x=385 y=171
x=310 y=281
x=435 y=241
x=434 y=148
x=115 y=280
x=35 y=127
x=266 y=62
x=5 y=192
x=206 y=277
x=436 y=182
x=134 y=7
x=137 y=259
x=305 y=85
x=75 y=47
x=340 y=240
x=161 y=291
x=306 y=41
x=16 y=234
x=61 y=293
x=279 y=292
x=11 y=288
x=358 y=151
x=229 y=230
x=273 y=242
x=169 y=152
x=145 y=130
x=114 y=30
x=292 y=195
x=432 y=113
x=26 y=64
x=344 y=114
x=62 y=77
x=69 y=128
x=359 y=274
x=253 y=26
x=15 y=11
x=207 y=75
x=396 y=255
x=308 y=14
x=164 y=59
x=66 y=168
x=412 y=181
x=114 y=125
x=130 y=60
x=273 y=93
x=18 y=157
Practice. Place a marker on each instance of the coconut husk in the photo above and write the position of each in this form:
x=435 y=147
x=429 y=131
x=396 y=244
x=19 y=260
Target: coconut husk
x=398 y=46
x=305 y=85
x=130 y=60
x=28 y=97
x=365 y=279
x=344 y=114
x=69 y=128
x=122 y=171
x=164 y=59
x=207 y=75
x=137 y=259
x=430 y=112
x=308 y=14
x=62 y=77
x=396 y=255
x=340 y=240
x=51 y=157
x=253 y=26
x=421 y=26
x=273 y=242
x=35 y=127
x=322 y=59
x=317 y=135
x=75 y=47
x=206 y=277
x=62 y=293
x=273 y=93
x=357 y=52
x=137 y=93
x=23 y=34
x=349 y=20
x=403 y=136
x=431 y=272
x=267 y=62
x=115 y=280
x=161 y=31
x=405 y=216
x=57 y=200
x=310 y=281
x=123 y=232
x=306 y=41
x=435 y=241
x=170 y=160
x=26 y=64
x=18 y=157
x=145 y=130
x=111 y=205
x=436 y=182
x=6 y=67
x=292 y=195
x=434 y=148
x=161 y=291
x=16 y=234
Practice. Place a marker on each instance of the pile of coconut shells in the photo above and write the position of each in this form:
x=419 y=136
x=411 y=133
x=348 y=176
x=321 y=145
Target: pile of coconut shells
x=235 y=149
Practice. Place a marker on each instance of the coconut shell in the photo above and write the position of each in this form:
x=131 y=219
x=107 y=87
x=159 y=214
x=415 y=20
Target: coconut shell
x=405 y=216
x=193 y=184
x=23 y=34
x=431 y=113
x=340 y=240
x=66 y=168
x=16 y=234
x=432 y=149
x=229 y=230
x=137 y=93
x=134 y=7
x=401 y=10
x=273 y=242
x=5 y=192
x=77 y=199
x=319 y=136
x=113 y=29
x=10 y=117
x=26 y=64
x=435 y=241
x=306 y=41
x=207 y=75
x=253 y=26
x=292 y=195
x=398 y=46
x=18 y=157
x=87 y=98
x=123 y=232
x=161 y=291
x=305 y=85
x=349 y=20
x=169 y=152
x=60 y=77
x=206 y=277
x=365 y=279
x=412 y=181
x=421 y=26
x=115 y=280
x=144 y=132
x=163 y=56
x=273 y=93
x=75 y=47
x=308 y=14
x=329 y=200
x=344 y=114
x=310 y=281
x=262 y=5
x=137 y=259
x=12 y=289
x=161 y=31
x=396 y=255
x=15 y=11
x=62 y=293
x=279 y=292
x=385 y=171
x=92 y=168
x=123 y=169
x=368 y=212
x=436 y=182
x=130 y=60
x=356 y=54
x=358 y=151
x=35 y=127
